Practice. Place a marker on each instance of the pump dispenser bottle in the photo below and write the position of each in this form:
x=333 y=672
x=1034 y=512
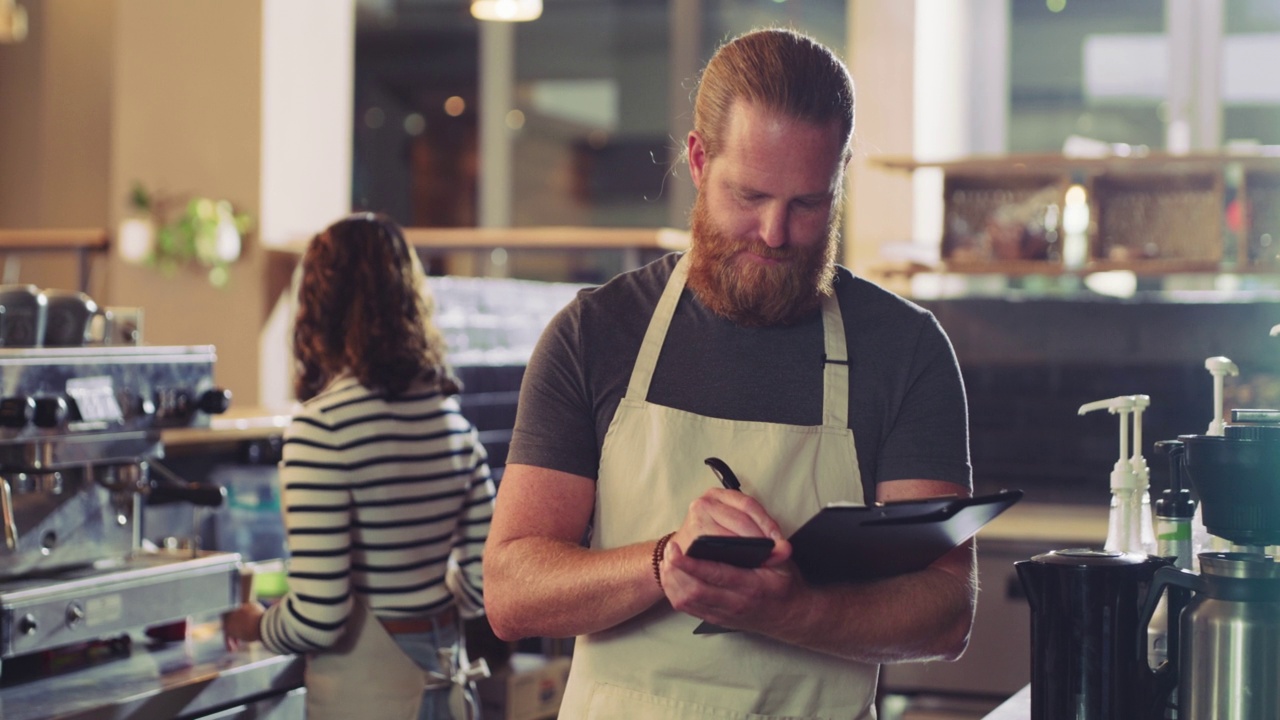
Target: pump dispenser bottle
x=1129 y=527
x=1142 y=475
x=1219 y=367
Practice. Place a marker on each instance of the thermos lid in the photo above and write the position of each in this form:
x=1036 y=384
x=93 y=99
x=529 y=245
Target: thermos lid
x=1090 y=557
x=1253 y=424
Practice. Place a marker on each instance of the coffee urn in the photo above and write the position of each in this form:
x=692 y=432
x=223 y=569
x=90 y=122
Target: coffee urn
x=1229 y=633
x=1088 y=637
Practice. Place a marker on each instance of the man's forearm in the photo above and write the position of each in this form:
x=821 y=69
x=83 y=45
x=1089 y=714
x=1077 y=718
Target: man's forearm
x=921 y=616
x=537 y=586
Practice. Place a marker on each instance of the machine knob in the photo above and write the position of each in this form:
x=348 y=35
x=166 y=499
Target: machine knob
x=50 y=412
x=142 y=406
x=215 y=401
x=17 y=411
x=28 y=625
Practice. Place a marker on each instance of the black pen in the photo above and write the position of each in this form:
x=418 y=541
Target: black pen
x=722 y=471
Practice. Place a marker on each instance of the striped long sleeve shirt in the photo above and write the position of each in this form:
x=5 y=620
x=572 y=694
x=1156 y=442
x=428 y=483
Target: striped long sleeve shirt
x=386 y=500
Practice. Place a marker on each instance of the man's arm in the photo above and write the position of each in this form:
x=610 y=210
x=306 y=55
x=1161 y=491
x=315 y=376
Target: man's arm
x=924 y=615
x=539 y=580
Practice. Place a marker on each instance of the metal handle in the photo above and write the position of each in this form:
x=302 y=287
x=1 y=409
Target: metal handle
x=175 y=489
x=6 y=516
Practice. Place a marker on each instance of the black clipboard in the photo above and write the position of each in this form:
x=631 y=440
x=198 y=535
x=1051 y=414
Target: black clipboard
x=846 y=543
x=856 y=543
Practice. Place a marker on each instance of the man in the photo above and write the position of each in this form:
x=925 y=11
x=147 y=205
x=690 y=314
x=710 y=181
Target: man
x=813 y=385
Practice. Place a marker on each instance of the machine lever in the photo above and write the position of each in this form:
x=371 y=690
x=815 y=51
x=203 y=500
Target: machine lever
x=6 y=516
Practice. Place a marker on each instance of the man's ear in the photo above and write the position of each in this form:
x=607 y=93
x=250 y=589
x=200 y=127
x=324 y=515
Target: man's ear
x=697 y=158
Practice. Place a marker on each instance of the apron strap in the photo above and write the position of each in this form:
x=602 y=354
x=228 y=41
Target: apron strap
x=651 y=348
x=835 y=365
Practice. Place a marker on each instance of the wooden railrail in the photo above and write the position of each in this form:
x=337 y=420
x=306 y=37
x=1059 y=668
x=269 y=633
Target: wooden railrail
x=82 y=241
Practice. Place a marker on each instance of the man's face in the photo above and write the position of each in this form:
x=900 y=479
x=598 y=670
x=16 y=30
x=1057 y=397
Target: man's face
x=766 y=216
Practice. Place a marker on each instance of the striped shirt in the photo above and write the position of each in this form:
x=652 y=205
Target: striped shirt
x=387 y=500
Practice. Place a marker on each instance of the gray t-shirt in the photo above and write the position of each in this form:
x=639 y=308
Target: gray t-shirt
x=906 y=399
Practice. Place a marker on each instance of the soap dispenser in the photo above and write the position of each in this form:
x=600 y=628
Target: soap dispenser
x=1219 y=367
x=1129 y=527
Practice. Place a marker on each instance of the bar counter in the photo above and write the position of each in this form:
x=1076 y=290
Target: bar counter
x=188 y=679
x=1017 y=707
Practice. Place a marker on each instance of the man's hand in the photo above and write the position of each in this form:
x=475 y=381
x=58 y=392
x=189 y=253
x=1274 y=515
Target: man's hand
x=729 y=512
x=720 y=593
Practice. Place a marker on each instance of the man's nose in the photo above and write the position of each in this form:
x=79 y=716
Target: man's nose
x=773 y=226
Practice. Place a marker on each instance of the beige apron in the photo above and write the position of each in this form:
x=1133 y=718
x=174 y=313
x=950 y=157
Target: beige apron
x=366 y=674
x=651 y=468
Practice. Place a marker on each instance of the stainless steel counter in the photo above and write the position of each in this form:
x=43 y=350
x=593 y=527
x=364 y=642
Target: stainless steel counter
x=1017 y=707
x=175 y=680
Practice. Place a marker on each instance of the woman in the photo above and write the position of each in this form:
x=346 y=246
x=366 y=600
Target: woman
x=386 y=490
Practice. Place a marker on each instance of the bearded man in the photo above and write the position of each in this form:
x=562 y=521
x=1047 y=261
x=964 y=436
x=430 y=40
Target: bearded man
x=815 y=386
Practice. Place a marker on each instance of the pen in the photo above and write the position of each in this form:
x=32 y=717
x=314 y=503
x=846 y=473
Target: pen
x=722 y=471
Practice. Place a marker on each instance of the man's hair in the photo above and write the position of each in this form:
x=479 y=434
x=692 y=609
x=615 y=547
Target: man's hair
x=778 y=69
x=363 y=309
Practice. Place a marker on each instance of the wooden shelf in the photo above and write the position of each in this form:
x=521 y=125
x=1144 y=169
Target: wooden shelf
x=1022 y=268
x=1267 y=158
x=534 y=238
x=548 y=238
x=1151 y=213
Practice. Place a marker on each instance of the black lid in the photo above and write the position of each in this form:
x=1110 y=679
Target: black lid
x=1253 y=424
x=1175 y=501
x=1091 y=557
x=1175 y=504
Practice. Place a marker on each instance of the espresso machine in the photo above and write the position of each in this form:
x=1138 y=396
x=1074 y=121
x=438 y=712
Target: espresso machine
x=80 y=428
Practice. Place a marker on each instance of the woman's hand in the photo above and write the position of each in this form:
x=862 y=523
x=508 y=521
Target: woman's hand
x=240 y=626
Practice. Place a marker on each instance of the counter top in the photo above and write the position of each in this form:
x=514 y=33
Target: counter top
x=232 y=426
x=1059 y=524
x=175 y=679
x=1017 y=707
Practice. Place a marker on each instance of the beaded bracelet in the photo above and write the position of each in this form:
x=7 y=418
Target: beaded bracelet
x=658 y=551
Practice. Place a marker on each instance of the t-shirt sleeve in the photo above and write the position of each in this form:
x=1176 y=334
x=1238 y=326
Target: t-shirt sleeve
x=555 y=421
x=929 y=437
x=316 y=501
x=465 y=574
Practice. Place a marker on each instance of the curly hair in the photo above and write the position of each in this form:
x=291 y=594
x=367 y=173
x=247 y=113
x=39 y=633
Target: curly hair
x=364 y=309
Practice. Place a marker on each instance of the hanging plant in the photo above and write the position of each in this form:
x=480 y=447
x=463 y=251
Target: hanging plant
x=206 y=233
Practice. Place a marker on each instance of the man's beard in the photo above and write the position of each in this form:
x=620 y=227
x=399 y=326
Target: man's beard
x=757 y=294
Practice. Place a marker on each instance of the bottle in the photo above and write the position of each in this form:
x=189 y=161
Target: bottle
x=1125 y=522
x=1174 y=511
x=1142 y=477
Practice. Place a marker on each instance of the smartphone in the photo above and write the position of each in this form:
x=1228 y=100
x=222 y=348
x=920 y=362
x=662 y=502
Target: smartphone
x=743 y=552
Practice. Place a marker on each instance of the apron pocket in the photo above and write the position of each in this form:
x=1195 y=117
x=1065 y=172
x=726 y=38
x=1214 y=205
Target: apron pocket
x=610 y=702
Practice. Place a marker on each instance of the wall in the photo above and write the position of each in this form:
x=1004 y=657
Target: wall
x=247 y=100
x=1028 y=366
x=187 y=121
x=55 y=128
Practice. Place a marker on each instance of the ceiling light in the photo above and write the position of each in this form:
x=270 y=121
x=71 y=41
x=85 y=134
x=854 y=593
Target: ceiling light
x=13 y=22
x=506 y=10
